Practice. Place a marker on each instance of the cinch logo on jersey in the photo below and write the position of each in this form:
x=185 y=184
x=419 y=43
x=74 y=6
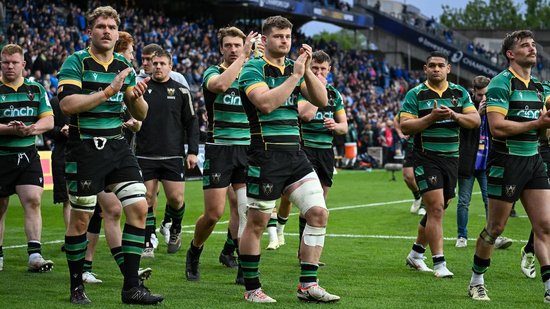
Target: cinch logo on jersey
x=18 y=112
x=321 y=115
x=529 y=113
x=290 y=101
x=118 y=97
x=232 y=99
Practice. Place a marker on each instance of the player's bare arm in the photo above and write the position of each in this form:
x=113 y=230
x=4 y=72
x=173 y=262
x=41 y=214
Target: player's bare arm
x=78 y=103
x=411 y=126
x=500 y=127
x=468 y=120
x=220 y=83
x=267 y=100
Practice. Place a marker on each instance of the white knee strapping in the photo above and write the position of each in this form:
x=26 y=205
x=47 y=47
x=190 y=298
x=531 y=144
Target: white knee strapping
x=264 y=206
x=308 y=194
x=83 y=203
x=314 y=236
x=130 y=192
x=242 y=208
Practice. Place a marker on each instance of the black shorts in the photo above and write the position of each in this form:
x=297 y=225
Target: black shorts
x=224 y=165
x=434 y=172
x=60 y=194
x=322 y=160
x=20 y=169
x=509 y=175
x=545 y=154
x=408 y=161
x=269 y=172
x=162 y=169
x=88 y=169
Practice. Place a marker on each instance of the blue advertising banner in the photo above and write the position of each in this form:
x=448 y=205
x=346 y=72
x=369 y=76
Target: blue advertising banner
x=304 y=8
x=428 y=43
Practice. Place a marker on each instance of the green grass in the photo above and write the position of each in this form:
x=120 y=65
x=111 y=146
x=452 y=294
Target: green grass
x=364 y=251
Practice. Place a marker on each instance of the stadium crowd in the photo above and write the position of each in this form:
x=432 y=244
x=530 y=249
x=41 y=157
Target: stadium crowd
x=371 y=88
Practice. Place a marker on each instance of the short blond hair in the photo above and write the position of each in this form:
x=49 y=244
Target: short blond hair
x=11 y=49
x=102 y=11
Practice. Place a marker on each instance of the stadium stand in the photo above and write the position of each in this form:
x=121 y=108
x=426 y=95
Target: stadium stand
x=51 y=30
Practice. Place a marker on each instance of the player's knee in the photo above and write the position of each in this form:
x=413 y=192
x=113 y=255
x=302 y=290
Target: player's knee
x=130 y=192
x=314 y=236
x=308 y=195
x=488 y=237
x=317 y=216
x=495 y=229
x=175 y=199
x=150 y=197
x=32 y=202
x=543 y=228
x=79 y=221
x=436 y=212
x=112 y=213
x=212 y=216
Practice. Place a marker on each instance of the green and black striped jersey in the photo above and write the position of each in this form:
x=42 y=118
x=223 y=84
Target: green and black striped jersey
x=83 y=73
x=544 y=143
x=27 y=102
x=518 y=100
x=442 y=137
x=227 y=121
x=314 y=133
x=281 y=125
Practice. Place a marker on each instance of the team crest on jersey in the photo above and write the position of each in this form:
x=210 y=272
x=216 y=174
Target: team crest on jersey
x=85 y=184
x=30 y=95
x=171 y=91
x=433 y=180
x=216 y=177
x=267 y=188
x=454 y=101
x=510 y=190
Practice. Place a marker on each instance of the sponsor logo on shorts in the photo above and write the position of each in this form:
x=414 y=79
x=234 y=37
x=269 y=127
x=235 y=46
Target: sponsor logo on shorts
x=510 y=190
x=216 y=177
x=85 y=184
x=267 y=188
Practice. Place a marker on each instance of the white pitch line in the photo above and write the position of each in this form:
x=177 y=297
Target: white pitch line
x=294 y=234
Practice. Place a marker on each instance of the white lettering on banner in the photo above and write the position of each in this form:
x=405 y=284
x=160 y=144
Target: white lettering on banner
x=276 y=3
x=479 y=66
x=433 y=46
x=333 y=14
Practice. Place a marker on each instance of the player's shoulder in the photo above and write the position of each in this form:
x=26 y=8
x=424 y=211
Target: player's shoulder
x=502 y=78
x=418 y=88
x=457 y=87
x=31 y=83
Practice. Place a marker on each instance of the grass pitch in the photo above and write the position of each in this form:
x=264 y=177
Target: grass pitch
x=370 y=232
